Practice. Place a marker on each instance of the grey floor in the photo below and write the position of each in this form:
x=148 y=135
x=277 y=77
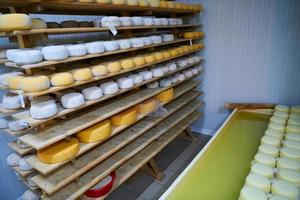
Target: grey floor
x=171 y=161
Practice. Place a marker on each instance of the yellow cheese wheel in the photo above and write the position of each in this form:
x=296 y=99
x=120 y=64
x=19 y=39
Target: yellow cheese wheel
x=132 y=2
x=269 y=149
x=185 y=48
x=150 y=58
x=82 y=74
x=287 y=163
x=113 y=67
x=276 y=127
x=279 y=120
x=282 y=108
x=154 y=3
x=294 y=122
x=61 y=79
x=174 y=52
x=293 y=129
x=125 y=118
x=143 y=2
x=158 y=56
x=103 y=1
x=99 y=70
x=287 y=152
x=34 y=84
x=170 y=4
x=166 y=54
x=139 y=61
x=188 y=35
x=180 y=50
x=163 y=4
x=147 y=107
x=177 y=5
x=10 y=22
x=38 y=23
x=60 y=151
x=127 y=63
x=295 y=109
x=165 y=96
x=14 y=82
x=118 y=2
x=98 y=132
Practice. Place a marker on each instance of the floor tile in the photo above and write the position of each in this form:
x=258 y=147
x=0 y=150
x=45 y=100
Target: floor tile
x=176 y=165
x=163 y=160
x=138 y=183
x=153 y=191
x=121 y=193
x=168 y=176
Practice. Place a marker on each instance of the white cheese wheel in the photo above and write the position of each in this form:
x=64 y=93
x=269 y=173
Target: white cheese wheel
x=99 y=70
x=110 y=21
x=269 y=149
x=270 y=140
x=13 y=160
x=197 y=59
x=274 y=133
x=18 y=125
x=148 y=21
x=293 y=136
x=294 y=122
x=252 y=193
x=165 y=69
x=125 y=83
x=146 y=75
x=61 y=79
x=11 y=101
x=92 y=93
x=172 y=67
x=287 y=152
x=3 y=123
x=292 y=144
x=10 y=22
x=72 y=100
x=157 y=22
x=97 y=22
x=263 y=170
x=127 y=63
x=137 y=42
x=276 y=126
x=295 y=109
x=152 y=85
x=156 y=39
x=182 y=63
x=288 y=163
x=11 y=52
x=157 y=72
x=265 y=159
x=276 y=197
x=180 y=77
x=187 y=74
x=94 y=47
x=165 y=83
x=24 y=165
x=126 y=21
x=124 y=44
x=82 y=74
x=190 y=60
x=110 y=45
x=164 y=21
x=292 y=129
x=281 y=114
x=168 y=37
x=174 y=79
x=110 y=88
x=137 y=78
x=259 y=182
x=289 y=175
x=146 y=40
x=30 y=195
x=179 y=21
x=285 y=189
x=113 y=67
x=58 y=52
x=38 y=23
x=137 y=21
x=43 y=108
x=294 y=116
x=172 y=21
x=282 y=108
x=76 y=50
x=26 y=56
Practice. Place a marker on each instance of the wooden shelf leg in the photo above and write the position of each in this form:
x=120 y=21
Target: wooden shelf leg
x=154 y=172
x=190 y=135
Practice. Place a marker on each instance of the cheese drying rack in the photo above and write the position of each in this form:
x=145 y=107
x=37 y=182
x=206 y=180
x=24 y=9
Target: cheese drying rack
x=129 y=148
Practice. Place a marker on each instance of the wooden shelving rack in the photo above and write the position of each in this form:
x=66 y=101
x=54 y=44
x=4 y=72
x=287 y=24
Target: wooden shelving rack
x=130 y=147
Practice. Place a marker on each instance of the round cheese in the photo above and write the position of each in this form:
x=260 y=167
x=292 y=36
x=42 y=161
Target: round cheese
x=53 y=25
x=38 y=23
x=11 y=101
x=148 y=21
x=147 y=106
x=125 y=83
x=195 y=71
x=276 y=197
x=168 y=37
x=265 y=159
x=285 y=189
x=166 y=54
x=182 y=63
x=282 y=108
x=293 y=122
x=163 y=4
x=269 y=149
x=174 y=80
x=125 y=21
x=102 y=1
x=30 y=195
x=295 y=109
x=127 y=63
x=259 y=182
x=157 y=21
x=99 y=70
x=14 y=82
x=2 y=54
x=150 y=58
x=132 y=2
x=137 y=42
x=97 y=22
x=113 y=67
x=270 y=140
x=187 y=74
x=143 y=2
x=110 y=88
x=165 y=68
x=293 y=129
x=23 y=165
x=3 y=123
x=118 y=2
x=124 y=44
x=172 y=67
x=279 y=120
x=13 y=160
x=164 y=21
x=43 y=108
x=146 y=75
x=154 y=3
x=179 y=21
x=281 y=114
x=289 y=175
x=125 y=118
x=110 y=21
x=172 y=21
x=69 y=24
x=291 y=144
x=110 y=45
x=137 y=21
x=274 y=133
x=92 y=93
x=82 y=74
x=72 y=100
x=60 y=151
x=152 y=85
x=61 y=79
x=165 y=83
x=287 y=152
x=158 y=56
x=174 y=52
x=137 y=78
x=263 y=170
x=276 y=127
x=165 y=96
x=94 y=47
x=98 y=132
x=190 y=60
x=54 y=53
x=34 y=84
x=293 y=136
x=26 y=56
x=76 y=50
x=157 y=72
x=252 y=193
x=156 y=39
x=139 y=61
x=288 y=163
x=180 y=77
x=294 y=116
x=18 y=125
x=20 y=22
x=146 y=40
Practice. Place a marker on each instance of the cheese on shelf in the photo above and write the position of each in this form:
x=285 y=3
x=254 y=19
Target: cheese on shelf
x=137 y=21
x=125 y=21
x=281 y=114
x=165 y=82
x=132 y=2
x=143 y=2
x=99 y=70
x=34 y=84
x=13 y=159
x=282 y=108
x=274 y=133
x=265 y=159
x=285 y=189
x=156 y=39
x=166 y=54
x=20 y=22
x=287 y=152
x=118 y=2
x=293 y=122
x=154 y=3
x=294 y=116
x=152 y=85
x=43 y=108
x=292 y=144
x=137 y=42
x=23 y=165
x=180 y=77
x=289 y=175
x=292 y=129
x=251 y=193
x=293 y=136
x=148 y=21
x=288 y=164
x=147 y=40
x=30 y=195
x=295 y=109
x=137 y=78
x=150 y=58
x=94 y=47
x=258 y=181
x=124 y=44
x=38 y=23
x=61 y=79
x=98 y=132
x=147 y=106
x=102 y=1
x=11 y=101
x=26 y=56
x=60 y=151
x=276 y=127
x=270 y=140
x=72 y=100
x=18 y=125
x=168 y=37
x=174 y=52
x=14 y=82
x=269 y=149
x=125 y=118
x=127 y=63
x=113 y=67
x=165 y=96
x=92 y=93
x=157 y=72
x=158 y=56
x=125 y=83
x=22 y=145
x=139 y=61
x=146 y=75
x=110 y=21
x=110 y=87
x=76 y=50
x=263 y=170
x=82 y=74
x=55 y=53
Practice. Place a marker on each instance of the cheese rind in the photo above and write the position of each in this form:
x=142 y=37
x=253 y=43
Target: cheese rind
x=27 y=56
x=33 y=84
x=165 y=96
x=72 y=100
x=282 y=108
x=125 y=21
x=252 y=193
x=61 y=79
x=98 y=132
x=38 y=23
x=110 y=88
x=125 y=83
x=274 y=133
x=270 y=140
x=94 y=47
x=18 y=125
x=139 y=60
x=43 y=108
x=289 y=175
x=125 y=118
x=11 y=101
x=265 y=159
x=60 y=151
x=14 y=82
x=157 y=72
x=76 y=50
x=147 y=106
x=13 y=159
x=20 y=22
x=259 y=182
x=292 y=144
x=146 y=74
x=150 y=58
x=288 y=163
x=281 y=114
x=127 y=63
x=276 y=126
x=55 y=53
x=269 y=149
x=110 y=45
x=152 y=85
x=92 y=93
x=285 y=189
x=137 y=78
x=293 y=136
x=293 y=129
x=113 y=67
x=293 y=122
x=23 y=165
x=295 y=109
x=263 y=170
x=124 y=44
x=165 y=83
x=99 y=70
x=82 y=74
x=290 y=153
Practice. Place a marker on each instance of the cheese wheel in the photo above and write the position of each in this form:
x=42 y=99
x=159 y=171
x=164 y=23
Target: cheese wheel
x=165 y=96
x=127 y=63
x=10 y=22
x=137 y=78
x=76 y=50
x=26 y=56
x=147 y=106
x=154 y=3
x=43 y=108
x=124 y=44
x=285 y=189
x=164 y=21
x=34 y=84
x=143 y=2
x=61 y=79
x=137 y=21
x=99 y=70
x=18 y=125
x=274 y=133
x=180 y=77
x=110 y=45
x=168 y=37
x=293 y=122
x=2 y=54
x=293 y=136
x=263 y=170
x=110 y=88
x=22 y=145
x=110 y=21
x=276 y=197
x=125 y=83
x=158 y=56
x=14 y=82
x=152 y=85
x=276 y=127
x=13 y=159
x=165 y=68
x=30 y=195
x=182 y=63
x=23 y=165
x=59 y=152
x=11 y=101
x=278 y=120
x=4 y=77
x=293 y=129
x=156 y=39
x=165 y=83
x=190 y=60
x=125 y=118
x=179 y=21
x=292 y=144
x=146 y=75
x=289 y=175
x=58 y=52
x=125 y=21
x=157 y=72
x=252 y=193
x=294 y=116
x=157 y=22
x=174 y=79
x=137 y=42
x=149 y=58
x=148 y=21
x=92 y=93
x=265 y=159
x=295 y=109
x=85 y=23
x=118 y=2
x=147 y=40
x=38 y=23
x=281 y=114
x=82 y=74
x=172 y=67
x=94 y=47
x=3 y=123
x=139 y=61
x=132 y=2
x=113 y=67
x=290 y=153
x=288 y=163
x=53 y=25
x=282 y=108
x=174 y=52
x=270 y=140
x=163 y=4
x=98 y=132
x=259 y=182
x=269 y=149
x=72 y=100
x=166 y=54
x=103 y=1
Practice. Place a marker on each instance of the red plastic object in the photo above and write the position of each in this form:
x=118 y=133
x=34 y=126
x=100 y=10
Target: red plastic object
x=99 y=192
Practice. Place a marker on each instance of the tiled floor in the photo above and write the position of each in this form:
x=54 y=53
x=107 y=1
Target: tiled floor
x=171 y=161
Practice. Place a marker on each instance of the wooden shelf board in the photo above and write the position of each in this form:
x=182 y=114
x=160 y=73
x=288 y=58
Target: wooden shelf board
x=22 y=173
x=178 y=100
x=17 y=133
x=7 y=111
x=74 y=190
x=88 y=56
x=20 y=151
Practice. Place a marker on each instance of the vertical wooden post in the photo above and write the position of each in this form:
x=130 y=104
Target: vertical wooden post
x=155 y=172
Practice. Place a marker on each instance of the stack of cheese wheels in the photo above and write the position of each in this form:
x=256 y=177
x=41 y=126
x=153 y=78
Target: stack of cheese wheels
x=165 y=96
x=125 y=118
x=196 y=34
x=275 y=171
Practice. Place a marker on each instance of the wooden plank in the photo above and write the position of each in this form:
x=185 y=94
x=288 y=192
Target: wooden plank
x=75 y=124
x=181 y=101
x=7 y=111
x=20 y=151
x=88 y=56
x=249 y=105
x=23 y=174
x=83 y=183
x=15 y=133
